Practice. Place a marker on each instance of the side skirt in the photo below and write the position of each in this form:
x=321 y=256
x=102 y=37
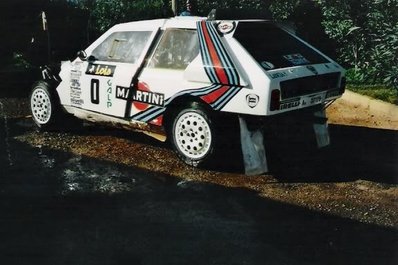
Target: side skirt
x=94 y=117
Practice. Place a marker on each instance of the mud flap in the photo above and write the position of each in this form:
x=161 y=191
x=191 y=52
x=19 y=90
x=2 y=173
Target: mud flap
x=252 y=143
x=321 y=129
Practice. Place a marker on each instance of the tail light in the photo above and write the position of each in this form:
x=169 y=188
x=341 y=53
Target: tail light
x=275 y=99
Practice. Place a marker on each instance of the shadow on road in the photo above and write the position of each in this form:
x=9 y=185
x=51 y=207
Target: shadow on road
x=58 y=208
x=52 y=216
x=355 y=153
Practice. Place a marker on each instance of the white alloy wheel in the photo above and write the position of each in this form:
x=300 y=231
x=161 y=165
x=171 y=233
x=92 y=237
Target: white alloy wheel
x=192 y=135
x=40 y=103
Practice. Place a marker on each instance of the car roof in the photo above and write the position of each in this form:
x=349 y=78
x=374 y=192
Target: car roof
x=180 y=22
x=188 y=22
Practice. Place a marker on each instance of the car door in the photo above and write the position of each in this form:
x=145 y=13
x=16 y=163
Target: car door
x=107 y=74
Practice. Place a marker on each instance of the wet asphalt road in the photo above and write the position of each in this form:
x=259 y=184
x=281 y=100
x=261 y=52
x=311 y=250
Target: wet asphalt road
x=61 y=208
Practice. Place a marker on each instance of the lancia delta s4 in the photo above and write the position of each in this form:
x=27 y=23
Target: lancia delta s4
x=189 y=80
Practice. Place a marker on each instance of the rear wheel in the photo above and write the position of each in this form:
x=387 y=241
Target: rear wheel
x=193 y=135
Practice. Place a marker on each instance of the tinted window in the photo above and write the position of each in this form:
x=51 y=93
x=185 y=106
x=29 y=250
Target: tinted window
x=270 y=44
x=125 y=46
x=177 y=48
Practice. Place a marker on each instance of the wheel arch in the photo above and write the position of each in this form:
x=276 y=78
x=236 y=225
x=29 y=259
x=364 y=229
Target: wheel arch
x=179 y=103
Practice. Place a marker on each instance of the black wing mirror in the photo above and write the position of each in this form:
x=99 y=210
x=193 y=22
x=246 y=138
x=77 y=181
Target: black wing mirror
x=82 y=55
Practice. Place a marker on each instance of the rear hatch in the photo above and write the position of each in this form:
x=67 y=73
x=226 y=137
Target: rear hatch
x=296 y=69
x=274 y=48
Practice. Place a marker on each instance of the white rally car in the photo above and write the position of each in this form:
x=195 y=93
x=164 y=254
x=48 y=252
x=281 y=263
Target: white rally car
x=189 y=78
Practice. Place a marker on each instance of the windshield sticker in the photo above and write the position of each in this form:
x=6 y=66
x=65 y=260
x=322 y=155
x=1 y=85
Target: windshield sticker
x=296 y=59
x=267 y=65
x=101 y=69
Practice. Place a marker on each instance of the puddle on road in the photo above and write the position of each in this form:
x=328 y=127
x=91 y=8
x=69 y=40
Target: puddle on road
x=81 y=175
x=37 y=167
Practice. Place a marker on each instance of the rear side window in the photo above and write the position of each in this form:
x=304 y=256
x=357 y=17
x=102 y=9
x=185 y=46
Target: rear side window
x=125 y=46
x=176 y=50
x=273 y=48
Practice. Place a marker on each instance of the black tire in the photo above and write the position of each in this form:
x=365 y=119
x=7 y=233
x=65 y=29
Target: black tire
x=193 y=135
x=45 y=107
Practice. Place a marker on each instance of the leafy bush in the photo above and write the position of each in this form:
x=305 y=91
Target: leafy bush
x=378 y=91
x=367 y=34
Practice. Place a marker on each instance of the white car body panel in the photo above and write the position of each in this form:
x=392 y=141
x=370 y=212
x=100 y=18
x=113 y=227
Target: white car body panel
x=120 y=100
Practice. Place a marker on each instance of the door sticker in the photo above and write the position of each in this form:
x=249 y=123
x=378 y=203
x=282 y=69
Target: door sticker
x=94 y=91
x=100 y=69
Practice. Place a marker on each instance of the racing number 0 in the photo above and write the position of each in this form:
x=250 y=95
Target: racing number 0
x=94 y=91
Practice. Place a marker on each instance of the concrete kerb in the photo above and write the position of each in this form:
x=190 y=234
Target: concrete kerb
x=373 y=105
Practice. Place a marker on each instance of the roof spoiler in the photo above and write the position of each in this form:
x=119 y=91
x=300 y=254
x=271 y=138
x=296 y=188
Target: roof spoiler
x=238 y=14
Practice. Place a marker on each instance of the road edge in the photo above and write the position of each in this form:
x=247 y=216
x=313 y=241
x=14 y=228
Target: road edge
x=373 y=105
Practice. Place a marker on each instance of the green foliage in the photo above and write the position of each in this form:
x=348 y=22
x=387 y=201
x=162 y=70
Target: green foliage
x=204 y=7
x=378 y=91
x=367 y=35
x=362 y=33
x=106 y=13
x=282 y=10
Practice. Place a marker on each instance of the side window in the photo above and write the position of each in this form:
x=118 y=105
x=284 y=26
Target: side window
x=124 y=46
x=176 y=49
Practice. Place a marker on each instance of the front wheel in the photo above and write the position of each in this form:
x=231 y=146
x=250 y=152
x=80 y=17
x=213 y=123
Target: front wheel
x=193 y=135
x=44 y=106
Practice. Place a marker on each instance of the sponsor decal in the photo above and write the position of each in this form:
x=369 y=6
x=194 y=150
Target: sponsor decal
x=100 y=69
x=278 y=75
x=312 y=69
x=226 y=27
x=109 y=94
x=122 y=92
x=148 y=97
x=217 y=96
x=75 y=93
x=289 y=104
x=76 y=101
x=143 y=97
x=296 y=59
x=267 y=65
x=75 y=89
x=252 y=100
x=315 y=99
x=75 y=79
x=312 y=100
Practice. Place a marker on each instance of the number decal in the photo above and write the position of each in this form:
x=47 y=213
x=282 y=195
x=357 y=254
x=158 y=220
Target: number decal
x=94 y=91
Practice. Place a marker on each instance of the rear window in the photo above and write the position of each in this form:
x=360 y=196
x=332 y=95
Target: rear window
x=274 y=48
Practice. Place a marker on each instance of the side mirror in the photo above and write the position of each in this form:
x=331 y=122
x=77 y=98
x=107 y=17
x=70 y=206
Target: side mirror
x=82 y=55
x=91 y=58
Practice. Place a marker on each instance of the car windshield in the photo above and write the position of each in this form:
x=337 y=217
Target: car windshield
x=274 y=48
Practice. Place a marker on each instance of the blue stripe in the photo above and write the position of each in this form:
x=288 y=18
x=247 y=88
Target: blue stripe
x=220 y=103
x=228 y=65
x=151 y=111
x=206 y=56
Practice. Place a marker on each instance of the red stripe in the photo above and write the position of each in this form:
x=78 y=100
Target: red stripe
x=213 y=96
x=220 y=72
